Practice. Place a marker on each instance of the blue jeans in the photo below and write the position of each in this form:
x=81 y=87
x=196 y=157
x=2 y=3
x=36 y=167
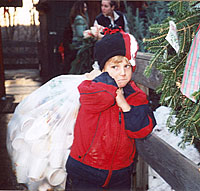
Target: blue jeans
x=85 y=178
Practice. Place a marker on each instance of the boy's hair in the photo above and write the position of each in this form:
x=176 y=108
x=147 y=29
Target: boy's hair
x=117 y=59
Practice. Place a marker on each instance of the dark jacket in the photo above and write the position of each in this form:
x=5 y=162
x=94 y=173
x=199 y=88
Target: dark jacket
x=105 y=21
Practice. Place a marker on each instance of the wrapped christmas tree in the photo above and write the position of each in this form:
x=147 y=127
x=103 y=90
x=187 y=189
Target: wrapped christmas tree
x=84 y=58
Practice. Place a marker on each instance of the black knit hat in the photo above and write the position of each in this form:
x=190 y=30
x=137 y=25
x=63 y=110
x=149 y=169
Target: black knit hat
x=115 y=44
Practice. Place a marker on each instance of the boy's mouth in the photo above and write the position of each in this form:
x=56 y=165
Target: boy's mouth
x=121 y=80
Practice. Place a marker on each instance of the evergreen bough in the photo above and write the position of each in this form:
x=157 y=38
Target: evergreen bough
x=186 y=17
x=84 y=58
x=139 y=20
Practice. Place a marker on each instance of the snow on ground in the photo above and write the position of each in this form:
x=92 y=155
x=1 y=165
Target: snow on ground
x=156 y=183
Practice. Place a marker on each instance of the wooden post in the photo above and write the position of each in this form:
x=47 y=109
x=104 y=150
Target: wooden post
x=2 y=78
x=43 y=48
x=178 y=171
x=140 y=178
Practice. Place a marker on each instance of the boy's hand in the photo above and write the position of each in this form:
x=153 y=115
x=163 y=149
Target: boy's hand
x=121 y=101
x=93 y=74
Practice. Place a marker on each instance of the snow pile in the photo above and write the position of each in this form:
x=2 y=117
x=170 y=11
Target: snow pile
x=156 y=183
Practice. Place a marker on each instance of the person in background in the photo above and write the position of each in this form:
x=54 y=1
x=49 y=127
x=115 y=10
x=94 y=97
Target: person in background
x=113 y=113
x=109 y=17
x=73 y=33
x=79 y=22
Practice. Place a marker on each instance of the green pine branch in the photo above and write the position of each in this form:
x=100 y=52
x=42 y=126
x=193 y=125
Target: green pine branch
x=171 y=65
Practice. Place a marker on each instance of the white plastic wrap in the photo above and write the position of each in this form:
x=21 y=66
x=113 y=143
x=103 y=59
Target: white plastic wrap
x=40 y=133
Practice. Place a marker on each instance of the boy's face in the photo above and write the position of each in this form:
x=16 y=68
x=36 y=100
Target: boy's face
x=121 y=72
x=106 y=8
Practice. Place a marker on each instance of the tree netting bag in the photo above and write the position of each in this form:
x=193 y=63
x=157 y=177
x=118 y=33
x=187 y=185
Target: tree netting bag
x=40 y=133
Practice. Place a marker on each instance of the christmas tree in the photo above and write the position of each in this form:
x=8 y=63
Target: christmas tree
x=170 y=54
x=139 y=20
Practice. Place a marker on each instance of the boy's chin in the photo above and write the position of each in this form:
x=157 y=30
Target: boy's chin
x=121 y=85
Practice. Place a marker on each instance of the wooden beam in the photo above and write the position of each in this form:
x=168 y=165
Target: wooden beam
x=20 y=55
x=177 y=170
x=141 y=177
x=2 y=78
x=20 y=44
x=142 y=61
x=11 y=3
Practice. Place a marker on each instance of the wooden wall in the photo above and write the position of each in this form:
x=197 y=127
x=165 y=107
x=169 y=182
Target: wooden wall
x=2 y=87
x=94 y=8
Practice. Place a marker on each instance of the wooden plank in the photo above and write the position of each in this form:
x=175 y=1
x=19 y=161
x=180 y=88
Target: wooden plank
x=11 y=3
x=43 y=48
x=22 y=52
x=142 y=61
x=14 y=43
x=21 y=66
x=178 y=171
x=140 y=181
x=42 y=1
x=8 y=107
x=20 y=55
x=2 y=77
x=140 y=178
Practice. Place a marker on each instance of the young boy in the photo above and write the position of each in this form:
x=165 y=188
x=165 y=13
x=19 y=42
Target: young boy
x=113 y=113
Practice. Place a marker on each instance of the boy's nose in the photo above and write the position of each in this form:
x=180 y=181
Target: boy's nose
x=122 y=71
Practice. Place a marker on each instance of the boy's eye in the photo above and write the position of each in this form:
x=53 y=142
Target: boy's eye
x=114 y=67
x=128 y=66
